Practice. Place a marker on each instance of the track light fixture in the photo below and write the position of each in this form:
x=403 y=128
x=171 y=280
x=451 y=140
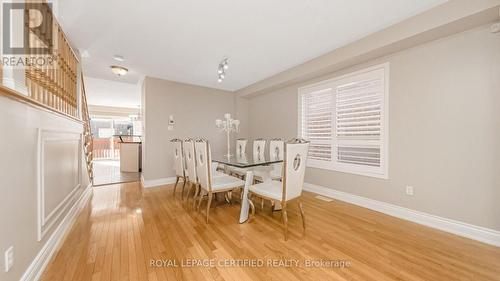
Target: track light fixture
x=221 y=70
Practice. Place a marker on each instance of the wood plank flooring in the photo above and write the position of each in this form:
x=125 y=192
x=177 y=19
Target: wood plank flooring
x=107 y=172
x=126 y=228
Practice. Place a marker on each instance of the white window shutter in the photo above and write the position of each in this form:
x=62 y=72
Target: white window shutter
x=345 y=119
x=358 y=108
x=317 y=123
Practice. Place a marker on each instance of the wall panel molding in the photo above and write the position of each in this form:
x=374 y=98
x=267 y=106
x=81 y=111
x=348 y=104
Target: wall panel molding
x=70 y=139
x=42 y=259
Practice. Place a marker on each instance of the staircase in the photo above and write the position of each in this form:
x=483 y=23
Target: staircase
x=88 y=145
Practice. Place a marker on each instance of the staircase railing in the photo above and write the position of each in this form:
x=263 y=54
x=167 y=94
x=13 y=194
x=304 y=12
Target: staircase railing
x=53 y=88
x=88 y=144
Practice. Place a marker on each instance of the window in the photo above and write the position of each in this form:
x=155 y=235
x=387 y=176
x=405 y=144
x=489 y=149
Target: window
x=346 y=121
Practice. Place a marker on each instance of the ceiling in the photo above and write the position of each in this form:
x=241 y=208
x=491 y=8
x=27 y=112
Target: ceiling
x=112 y=93
x=185 y=40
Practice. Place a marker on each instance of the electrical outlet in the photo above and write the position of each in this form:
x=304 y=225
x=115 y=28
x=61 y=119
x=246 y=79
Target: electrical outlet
x=9 y=258
x=409 y=190
x=495 y=28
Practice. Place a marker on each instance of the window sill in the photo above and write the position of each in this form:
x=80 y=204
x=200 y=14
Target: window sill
x=349 y=171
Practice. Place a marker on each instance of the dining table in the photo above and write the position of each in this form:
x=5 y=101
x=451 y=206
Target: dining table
x=252 y=164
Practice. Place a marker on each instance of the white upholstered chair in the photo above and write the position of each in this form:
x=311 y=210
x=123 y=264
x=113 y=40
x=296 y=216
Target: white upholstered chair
x=290 y=188
x=272 y=172
x=259 y=146
x=241 y=145
x=190 y=159
x=276 y=150
x=210 y=185
x=179 y=163
x=241 y=148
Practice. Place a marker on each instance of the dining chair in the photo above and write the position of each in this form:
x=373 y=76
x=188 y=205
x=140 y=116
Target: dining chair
x=259 y=146
x=210 y=185
x=276 y=153
x=190 y=159
x=273 y=171
x=290 y=188
x=186 y=172
x=241 y=148
x=179 y=165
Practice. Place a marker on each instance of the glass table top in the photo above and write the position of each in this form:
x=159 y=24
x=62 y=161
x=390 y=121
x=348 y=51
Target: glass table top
x=130 y=139
x=243 y=161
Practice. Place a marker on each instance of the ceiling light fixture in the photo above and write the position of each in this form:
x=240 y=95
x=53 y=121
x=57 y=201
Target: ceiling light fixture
x=119 y=70
x=85 y=54
x=221 y=70
x=118 y=58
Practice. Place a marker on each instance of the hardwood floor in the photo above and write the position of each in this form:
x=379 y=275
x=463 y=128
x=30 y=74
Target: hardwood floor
x=125 y=228
x=107 y=171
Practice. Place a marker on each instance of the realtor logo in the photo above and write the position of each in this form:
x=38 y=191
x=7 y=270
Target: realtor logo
x=27 y=28
x=28 y=35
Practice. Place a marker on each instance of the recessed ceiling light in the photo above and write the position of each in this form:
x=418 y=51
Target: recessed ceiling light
x=118 y=58
x=85 y=54
x=119 y=70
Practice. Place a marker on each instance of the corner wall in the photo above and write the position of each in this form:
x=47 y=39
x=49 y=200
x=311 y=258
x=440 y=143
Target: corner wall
x=43 y=176
x=444 y=135
x=194 y=109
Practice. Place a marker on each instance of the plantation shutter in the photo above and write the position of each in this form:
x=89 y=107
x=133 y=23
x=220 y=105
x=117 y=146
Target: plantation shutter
x=346 y=121
x=317 y=123
x=358 y=111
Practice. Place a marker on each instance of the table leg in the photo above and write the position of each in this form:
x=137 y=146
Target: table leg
x=244 y=202
x=229 y=194
x=277 y=206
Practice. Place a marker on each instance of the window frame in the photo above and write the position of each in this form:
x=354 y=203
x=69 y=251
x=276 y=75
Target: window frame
x=378 y=172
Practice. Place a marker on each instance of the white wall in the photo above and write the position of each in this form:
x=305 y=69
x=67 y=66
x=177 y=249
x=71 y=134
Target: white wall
x=444 y=137
x=60 y=154
x=111 y=93
x=195 y=110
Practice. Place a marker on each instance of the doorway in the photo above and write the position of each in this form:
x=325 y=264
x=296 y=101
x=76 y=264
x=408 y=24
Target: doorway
x=108 y=133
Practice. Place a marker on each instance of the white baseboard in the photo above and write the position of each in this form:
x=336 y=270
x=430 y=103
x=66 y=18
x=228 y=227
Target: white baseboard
x=36 y=268
x=157 y=182
x=482 y=234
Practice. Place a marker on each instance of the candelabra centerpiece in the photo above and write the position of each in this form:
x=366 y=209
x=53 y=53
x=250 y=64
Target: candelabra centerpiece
x=228 y=125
